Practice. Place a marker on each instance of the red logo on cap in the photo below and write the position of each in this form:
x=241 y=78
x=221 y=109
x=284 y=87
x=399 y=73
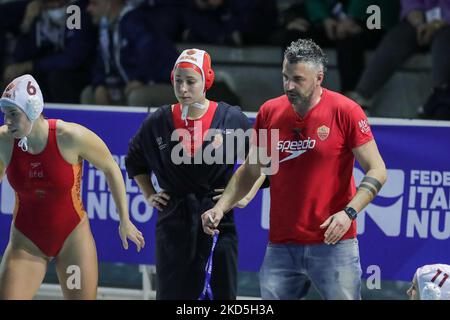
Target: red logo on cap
x=191 y=52
x=10 y=91
x=184 y=58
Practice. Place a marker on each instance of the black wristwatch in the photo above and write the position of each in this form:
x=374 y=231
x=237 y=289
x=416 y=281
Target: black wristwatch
x=351 y=212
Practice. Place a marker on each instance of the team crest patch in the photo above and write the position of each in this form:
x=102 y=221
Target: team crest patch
x=218 y=140
x=191 y=52
x=323 y=132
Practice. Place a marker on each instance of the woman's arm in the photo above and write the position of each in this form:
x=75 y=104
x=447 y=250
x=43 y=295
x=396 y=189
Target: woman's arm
x=5 y=145
x=94 y=150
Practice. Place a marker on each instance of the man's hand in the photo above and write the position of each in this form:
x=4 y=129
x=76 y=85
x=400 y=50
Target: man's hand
x=210 y=221
x=338 y=225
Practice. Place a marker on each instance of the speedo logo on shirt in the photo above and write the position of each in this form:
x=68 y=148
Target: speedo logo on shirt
x=295 y=147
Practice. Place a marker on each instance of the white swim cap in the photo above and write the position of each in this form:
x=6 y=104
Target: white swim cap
x=25 y=94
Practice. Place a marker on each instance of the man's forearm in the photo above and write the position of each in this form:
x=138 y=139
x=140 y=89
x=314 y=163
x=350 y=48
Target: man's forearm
x=368 y=189
x=243 y=202
x=239 y=186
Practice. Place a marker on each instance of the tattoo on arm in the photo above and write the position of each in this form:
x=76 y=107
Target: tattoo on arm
x=370 y=185
x=369 y=188
x=373 y=182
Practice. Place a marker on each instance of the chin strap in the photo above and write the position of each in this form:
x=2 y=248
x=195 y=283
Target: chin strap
x=185 y=109
x=23 y=144
x=184 y=112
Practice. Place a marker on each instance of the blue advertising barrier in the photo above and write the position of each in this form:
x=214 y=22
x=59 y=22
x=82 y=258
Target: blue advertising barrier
x=406 y=226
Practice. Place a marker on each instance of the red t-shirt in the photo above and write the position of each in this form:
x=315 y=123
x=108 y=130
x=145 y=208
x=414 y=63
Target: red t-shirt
x=194 y=126
x=317 y=182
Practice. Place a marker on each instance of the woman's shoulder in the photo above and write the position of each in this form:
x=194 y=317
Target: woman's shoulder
x=226 y=105
x=69 y=133
x=158 y=115
x=233 y=116
x=230 y=109
x=64 y=128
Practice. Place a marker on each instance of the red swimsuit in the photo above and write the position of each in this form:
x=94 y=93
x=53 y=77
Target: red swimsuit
x=48 y=201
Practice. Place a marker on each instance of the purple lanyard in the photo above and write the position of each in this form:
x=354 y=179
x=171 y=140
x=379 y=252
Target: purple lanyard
x=208 y=270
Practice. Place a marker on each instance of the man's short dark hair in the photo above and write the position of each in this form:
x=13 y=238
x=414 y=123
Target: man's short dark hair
x=306 y=50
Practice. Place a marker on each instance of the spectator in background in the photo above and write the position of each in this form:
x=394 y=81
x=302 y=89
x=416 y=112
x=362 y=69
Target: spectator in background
x=57 y=56
x=11 y=16
x=293 y=23
x=343 y=24
x=211 y=21
x=229 y=22
x=257 y=19
x=133 y=60
x=166 y=16
x=424 y=25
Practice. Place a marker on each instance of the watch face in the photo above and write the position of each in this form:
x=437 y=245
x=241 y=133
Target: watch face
x=351 y=213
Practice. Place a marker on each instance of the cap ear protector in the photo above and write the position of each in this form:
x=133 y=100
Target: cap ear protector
x=209 y=78
x=200 y=59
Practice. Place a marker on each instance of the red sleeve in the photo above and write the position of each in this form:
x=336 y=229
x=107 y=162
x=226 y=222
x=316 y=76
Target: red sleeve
x=357 y=131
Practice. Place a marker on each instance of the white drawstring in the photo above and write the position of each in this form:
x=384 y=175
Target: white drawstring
x=23 y=144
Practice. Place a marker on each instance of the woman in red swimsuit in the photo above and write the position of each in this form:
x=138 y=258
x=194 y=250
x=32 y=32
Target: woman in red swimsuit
x=43 y=160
